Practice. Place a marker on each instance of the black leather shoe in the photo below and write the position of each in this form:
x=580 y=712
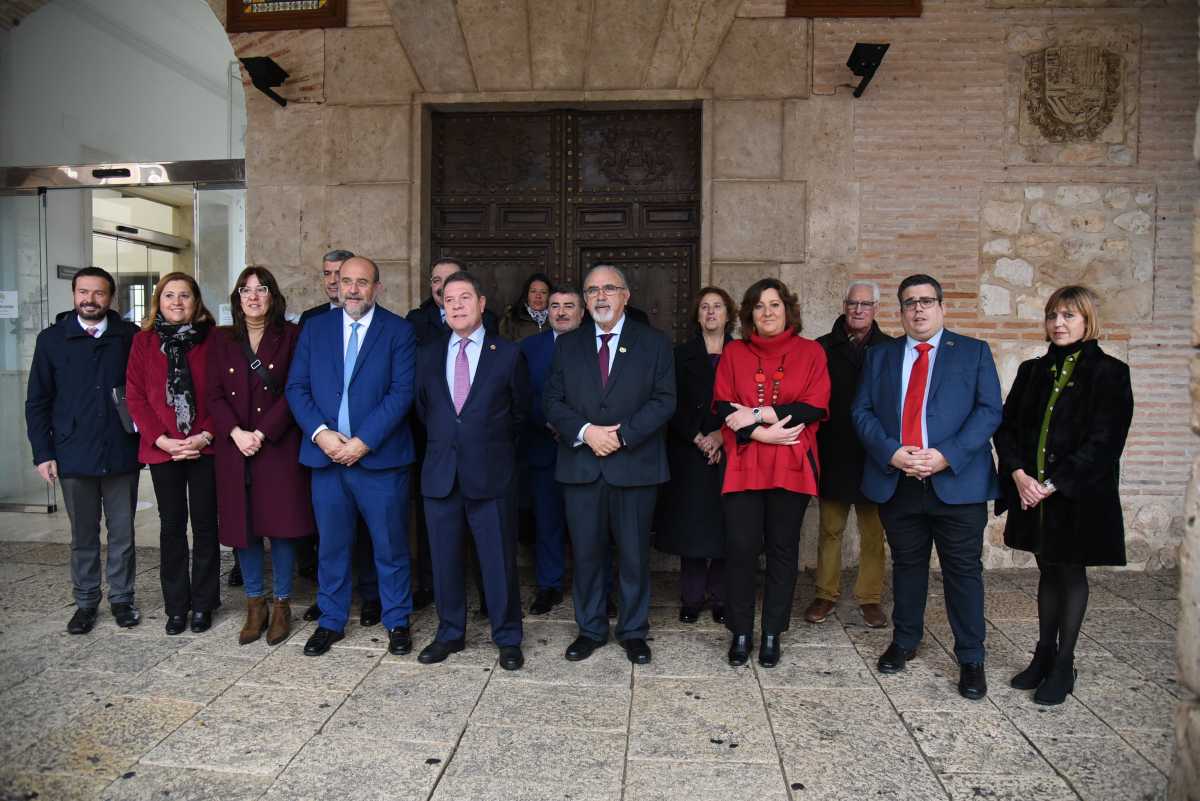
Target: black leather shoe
x=82 y=621
x=176 y=624
x=421 y=599
x=312 y=613
x=582 y=648
x=637 y=650
x=201 y=622
x=511 y=657
x=235 y=576
x=688 y=614
x=438 y=650
x=972 y=683
x=371 y=613
x=768 y=651
x=718 y=614
x=399 y=641
x=894 y=658
x=321 y=641
x=1059 y=683
x=545 y=600
x=739 y=649
x=1039 y=667
x=126 y=615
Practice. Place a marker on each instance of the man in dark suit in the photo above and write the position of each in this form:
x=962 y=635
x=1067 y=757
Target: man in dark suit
x=363 y=558
x=609 y=396
x=539 y=443
x=78 y=439
x=925 y=412
x=429 y=324
x=350 y=389
x=472 y=396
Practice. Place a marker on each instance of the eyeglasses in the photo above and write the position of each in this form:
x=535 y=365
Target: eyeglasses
x=924 y=303
x=247 y=291
x=607 y=289
x=855 y=305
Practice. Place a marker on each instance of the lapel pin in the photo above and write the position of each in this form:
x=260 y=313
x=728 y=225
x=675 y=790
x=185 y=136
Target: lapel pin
x=621 y=349
x=270 y=367
x=950 y=344
x=231 y=369
x=491 y=347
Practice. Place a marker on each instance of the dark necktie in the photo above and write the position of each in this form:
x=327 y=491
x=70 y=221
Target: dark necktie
x=604 y=358
x=914 y=399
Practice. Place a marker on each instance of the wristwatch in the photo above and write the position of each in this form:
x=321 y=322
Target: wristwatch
x=757 y=412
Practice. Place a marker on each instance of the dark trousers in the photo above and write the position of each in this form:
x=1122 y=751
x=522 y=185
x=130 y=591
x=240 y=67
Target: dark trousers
x=758 y=520
x=184 y=487
x=85 y=497
x=550 y=519
x=700 y=580
x=340 y=496
x=489 y=523
x=916 y=520
x=593 y=510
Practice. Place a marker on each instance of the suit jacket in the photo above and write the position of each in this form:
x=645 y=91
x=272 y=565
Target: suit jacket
x=381 y=388
x=308 y=314
x=962 y=412
x=537 y=444
x=640 y=395
x=477 y=447
x=69 y=411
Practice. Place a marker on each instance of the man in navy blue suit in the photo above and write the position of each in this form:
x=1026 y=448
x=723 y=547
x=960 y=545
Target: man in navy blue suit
x=925 y=412
x=472 y=396
x=540 y=445
x=350 y=389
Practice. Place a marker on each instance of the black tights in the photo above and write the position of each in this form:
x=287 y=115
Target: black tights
x=1062 y=600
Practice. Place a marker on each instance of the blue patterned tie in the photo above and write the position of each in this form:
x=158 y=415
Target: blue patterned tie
x=347 y=372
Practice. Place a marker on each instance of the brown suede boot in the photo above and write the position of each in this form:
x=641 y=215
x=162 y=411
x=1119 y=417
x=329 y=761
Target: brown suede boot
x=281 y=622
x=256 y=620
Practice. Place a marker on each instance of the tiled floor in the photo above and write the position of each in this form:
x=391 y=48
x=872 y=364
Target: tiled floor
x=134 y=714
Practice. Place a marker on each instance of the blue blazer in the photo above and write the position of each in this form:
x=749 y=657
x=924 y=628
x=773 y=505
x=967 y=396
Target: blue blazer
x=478 y=447
x=381 y=389
x=537 y=443
x=961 y=413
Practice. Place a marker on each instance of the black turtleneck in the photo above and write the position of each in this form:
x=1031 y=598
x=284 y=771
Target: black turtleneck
x=1059 y=353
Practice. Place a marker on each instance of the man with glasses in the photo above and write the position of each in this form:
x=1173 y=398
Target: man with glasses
x=610 y=393
x=925 y=412
x=854 y=333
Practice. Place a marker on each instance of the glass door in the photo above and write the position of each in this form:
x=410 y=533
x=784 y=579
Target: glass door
x=23 y=314
x=219 y=244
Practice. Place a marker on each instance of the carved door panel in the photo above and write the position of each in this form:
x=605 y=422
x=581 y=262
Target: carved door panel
x=558 y=191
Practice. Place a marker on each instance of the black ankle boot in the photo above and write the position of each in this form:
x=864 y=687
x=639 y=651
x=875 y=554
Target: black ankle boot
x=1039 y=668
x=1058 y=684
x=739 y=649
x=768 y=650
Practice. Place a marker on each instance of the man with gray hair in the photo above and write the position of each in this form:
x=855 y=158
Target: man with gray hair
x=842 y=457
x=609 y=395
x=331 y=266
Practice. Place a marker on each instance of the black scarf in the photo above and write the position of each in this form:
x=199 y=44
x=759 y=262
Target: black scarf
x=177 y=340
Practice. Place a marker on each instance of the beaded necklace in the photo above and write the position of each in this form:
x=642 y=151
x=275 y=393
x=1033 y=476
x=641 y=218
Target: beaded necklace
x=760 y=381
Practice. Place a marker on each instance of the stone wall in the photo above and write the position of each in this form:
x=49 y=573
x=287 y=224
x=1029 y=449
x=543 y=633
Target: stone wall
x=980 y=105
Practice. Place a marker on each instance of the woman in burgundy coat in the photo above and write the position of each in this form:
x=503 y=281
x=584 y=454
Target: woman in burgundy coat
x=262 y=489
x=165 y=392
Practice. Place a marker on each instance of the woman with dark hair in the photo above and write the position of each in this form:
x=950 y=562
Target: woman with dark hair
x=1060 y=442
x=262 y=489
x=772 y=389
x=165 y=391
x=689 y=520
x=530 y=314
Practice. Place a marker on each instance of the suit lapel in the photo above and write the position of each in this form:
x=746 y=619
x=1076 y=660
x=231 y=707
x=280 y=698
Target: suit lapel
x=893 y=373
x=487 y=359
x=374 y=332
x=624 y=345
x=335 y=341
x=945 y=353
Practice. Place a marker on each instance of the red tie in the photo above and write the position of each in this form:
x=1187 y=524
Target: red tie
x=604 y=359
x=914 y=398
x=92 y=331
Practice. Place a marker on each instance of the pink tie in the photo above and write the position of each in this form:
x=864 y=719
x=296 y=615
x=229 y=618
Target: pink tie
x=92 y=331
x=462 y=376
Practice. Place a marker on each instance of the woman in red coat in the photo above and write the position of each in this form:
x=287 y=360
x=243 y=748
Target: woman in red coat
x=165 y=392
x=772 y=388
x=262 y=489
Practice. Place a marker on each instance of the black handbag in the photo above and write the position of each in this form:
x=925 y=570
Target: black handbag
x=259 y=370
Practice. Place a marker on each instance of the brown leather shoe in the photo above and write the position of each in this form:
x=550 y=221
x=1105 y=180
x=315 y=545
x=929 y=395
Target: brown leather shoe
x=281 y=622
x=256 y=620
x=873 y=616
x=818 y=610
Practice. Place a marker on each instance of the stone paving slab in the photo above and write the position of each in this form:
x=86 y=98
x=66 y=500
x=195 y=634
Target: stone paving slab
x=544 y=646
x=553 y=706
x=1103 y=768
x=704 y=781
x=37 y=706
x=700 y=720
x=977 y=741
x=1128 y=705
x=153 y=783
x=972 y=787
x=339 y=767
x=23 y=784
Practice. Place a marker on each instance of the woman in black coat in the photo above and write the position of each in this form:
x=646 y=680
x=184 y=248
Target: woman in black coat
x=1060 y=442
x=689 y=517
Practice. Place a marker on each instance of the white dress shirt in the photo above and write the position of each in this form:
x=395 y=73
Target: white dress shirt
x=474 y=349
x=347 y=328
x=100 y=325
x=612 y=358
x=910 y=358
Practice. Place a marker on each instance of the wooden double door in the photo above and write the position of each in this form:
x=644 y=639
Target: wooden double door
x=515 y=193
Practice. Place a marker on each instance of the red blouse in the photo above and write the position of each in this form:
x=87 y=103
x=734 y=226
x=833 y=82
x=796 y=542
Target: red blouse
x=757 y=465
x=146 y=394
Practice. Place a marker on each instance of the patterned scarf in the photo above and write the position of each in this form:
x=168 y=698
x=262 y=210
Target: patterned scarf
x=177 y=340
x=539 y=317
